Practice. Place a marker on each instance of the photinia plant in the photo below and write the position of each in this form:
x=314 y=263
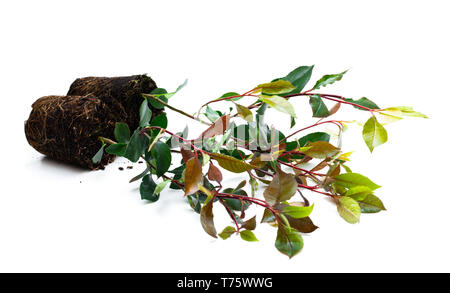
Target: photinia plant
x=277 y=162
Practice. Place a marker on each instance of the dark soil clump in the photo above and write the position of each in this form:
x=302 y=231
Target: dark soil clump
x=126 y=90
x=67 y=128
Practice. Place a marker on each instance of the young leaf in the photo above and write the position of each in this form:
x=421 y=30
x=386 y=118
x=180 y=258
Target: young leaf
x=403 y=111
x=231 y=164
x=163 y=157
x=248 y=235
x=349 y=209
x=122 y=132
x=313 y=137
x=358 y=192
x=214 y=173
x=249 y=224
x=207 y=219
x=211 y=114
x=147 y=189
x=193 y=176
x=282 y=187
x=374 y=133
x=276 y=87
x=145 y=114
x=321 y=150
x=298 y=212
x=217 y=128
x=160 y=187
x=319 y=108
x=349 y=180
x=279 y=103
x=244 y=112
x=227 y=232
x=328 y=79
x=288 y=241
x=371 y=204
x=98 y=156
x=299 y=77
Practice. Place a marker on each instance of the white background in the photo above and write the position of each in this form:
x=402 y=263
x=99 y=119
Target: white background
x=55 y=218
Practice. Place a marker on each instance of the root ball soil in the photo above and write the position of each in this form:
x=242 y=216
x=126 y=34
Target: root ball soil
x=67 y=128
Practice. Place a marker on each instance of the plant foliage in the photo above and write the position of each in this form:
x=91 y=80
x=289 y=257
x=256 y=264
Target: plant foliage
x=275 y=163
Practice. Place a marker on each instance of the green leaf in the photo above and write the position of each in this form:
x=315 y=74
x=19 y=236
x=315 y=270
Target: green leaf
x=207 y=219
x=374 y=133
x=227 y=232
x=248 y=235
x=365 y=102
x=169 y=95
x=160 y=120
x=122 y=132
x=321 y=150
x=276 y=87
x=313 y=137
x=147 y=189
x=231 y=164
x=288 y=241
x=349 y=180
x=161 y=152
x=298 y=212
x=318 y=107
x=211 y=114
x=145 y=172
x=358 y=192
x=371 y=204
x=282 y=187
x=279 y=103
x=328 y=79
x=261 y=110
x=349 y=209
x=185 y=82
x=145 y=114
x=299 y=77
x=230 y=94
x=160 y=93
x=118 y=149
x=136 y=147
x=292 y=122
x=98 y=156
x=244 y=112
x=160 y=187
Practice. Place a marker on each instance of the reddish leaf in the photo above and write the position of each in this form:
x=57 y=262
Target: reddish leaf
x=217 y=128
x=193 y=176
x=249 y=224
x=214 y=173
x=207 y=219
x=186 y=153
x=282 y=187
x=335 y=108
